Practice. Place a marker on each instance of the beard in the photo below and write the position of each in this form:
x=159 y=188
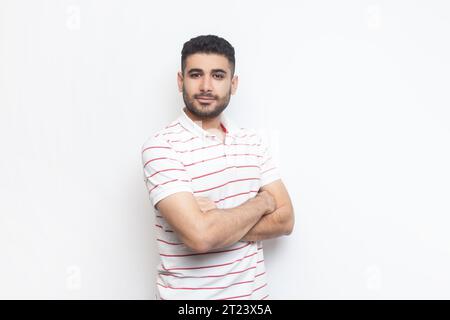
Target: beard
x=206 y=111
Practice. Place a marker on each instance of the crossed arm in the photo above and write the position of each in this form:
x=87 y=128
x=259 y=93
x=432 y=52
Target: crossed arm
x=203 y=227
x=279 y=222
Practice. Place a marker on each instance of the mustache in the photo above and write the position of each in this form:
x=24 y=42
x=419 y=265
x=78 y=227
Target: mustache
x=209 y=96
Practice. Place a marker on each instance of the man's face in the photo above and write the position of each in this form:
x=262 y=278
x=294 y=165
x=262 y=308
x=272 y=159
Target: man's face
x=207 y=84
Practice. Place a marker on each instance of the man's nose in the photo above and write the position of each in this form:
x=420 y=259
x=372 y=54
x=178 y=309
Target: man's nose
x=206 y=84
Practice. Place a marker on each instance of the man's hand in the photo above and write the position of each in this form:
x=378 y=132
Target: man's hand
x=205 y=204
x=269 y=201
x=278 y=223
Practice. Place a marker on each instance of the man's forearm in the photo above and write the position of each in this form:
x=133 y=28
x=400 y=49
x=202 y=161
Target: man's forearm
x=228 y=226
x=273 y=225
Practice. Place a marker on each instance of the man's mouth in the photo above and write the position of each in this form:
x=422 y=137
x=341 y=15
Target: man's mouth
x=205 y=99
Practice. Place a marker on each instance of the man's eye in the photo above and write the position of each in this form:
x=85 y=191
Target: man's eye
x=195 y=75
x=218 y=76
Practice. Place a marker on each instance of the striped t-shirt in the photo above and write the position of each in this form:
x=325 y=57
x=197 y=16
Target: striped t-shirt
x=185 y=157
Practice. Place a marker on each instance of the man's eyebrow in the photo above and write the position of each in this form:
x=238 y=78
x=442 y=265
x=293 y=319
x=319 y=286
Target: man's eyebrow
x=195 y=70
x=218 y=70
x=212 y=71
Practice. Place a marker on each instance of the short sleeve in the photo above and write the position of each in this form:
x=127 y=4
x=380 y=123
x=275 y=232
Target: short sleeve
x=164 y=172
x=269 y=171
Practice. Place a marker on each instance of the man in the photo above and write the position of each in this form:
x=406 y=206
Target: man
x=214 y=187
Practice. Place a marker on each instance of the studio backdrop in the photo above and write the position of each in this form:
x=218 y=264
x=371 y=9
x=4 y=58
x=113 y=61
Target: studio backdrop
x=353 y=97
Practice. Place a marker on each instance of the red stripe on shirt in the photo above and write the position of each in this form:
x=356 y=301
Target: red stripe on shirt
x=212 y=266
x=223 y=156
x=232 y=181
x=211 y=276
x=214 y=145
x=162 y=158
x=246 y=295
x=245 y=144
x=237 y=167
x=176 y=124
x=183 y=141
x=165 y=170
x=170 y=243
x=155 y=147
x=166 y=133
x=235 y=195
x=167 y=182
x=260 y=287
x=245 y=135
x=235 y=297
x=205 y=288
x=200 y=254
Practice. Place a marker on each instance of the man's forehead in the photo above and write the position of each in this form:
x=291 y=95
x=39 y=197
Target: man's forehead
x=207 y=61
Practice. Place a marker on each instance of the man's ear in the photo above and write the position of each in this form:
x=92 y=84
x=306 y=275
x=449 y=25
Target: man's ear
x=180 y=81
x=234 y=84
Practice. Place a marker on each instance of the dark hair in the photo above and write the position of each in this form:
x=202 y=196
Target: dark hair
x=208 y=44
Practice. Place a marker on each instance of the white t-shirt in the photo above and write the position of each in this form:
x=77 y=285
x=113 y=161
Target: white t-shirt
x=185 y=157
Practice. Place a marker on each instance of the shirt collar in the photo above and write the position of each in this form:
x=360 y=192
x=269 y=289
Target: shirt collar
x=196 y=127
